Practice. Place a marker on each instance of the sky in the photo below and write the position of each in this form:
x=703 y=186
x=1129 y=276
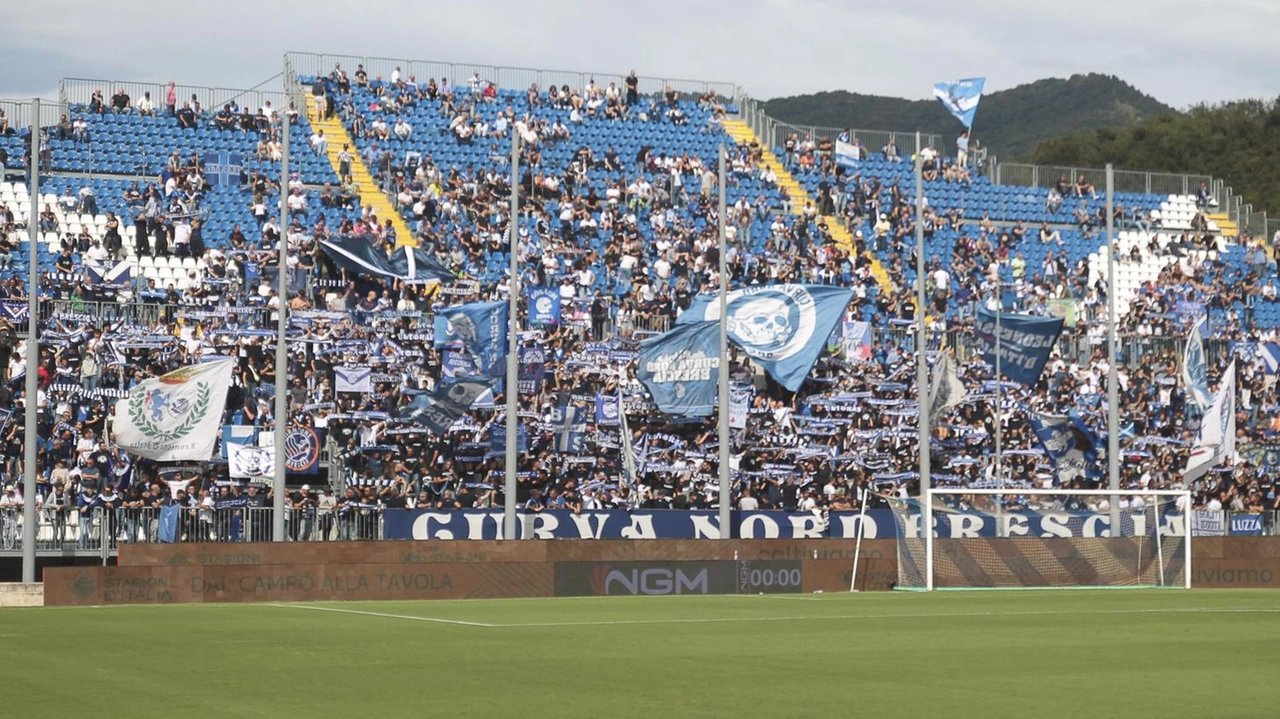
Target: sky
x=1180 y=52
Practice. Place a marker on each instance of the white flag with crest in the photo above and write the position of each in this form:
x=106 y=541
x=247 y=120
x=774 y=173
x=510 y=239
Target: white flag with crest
x=175 y=417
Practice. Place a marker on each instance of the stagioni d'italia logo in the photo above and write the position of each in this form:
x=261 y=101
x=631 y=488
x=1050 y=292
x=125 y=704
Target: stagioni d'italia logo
x=150 y=409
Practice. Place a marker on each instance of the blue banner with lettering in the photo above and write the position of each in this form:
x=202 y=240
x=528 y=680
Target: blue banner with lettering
x=440 y=409
x=1025 y=343
x=544 y=306
x=1245 y=525
x=430 y=524
x=532 y=369
x=681 y=368
x=479 y=327
x=783 y=328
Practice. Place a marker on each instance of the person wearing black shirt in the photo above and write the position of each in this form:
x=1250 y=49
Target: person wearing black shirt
x=633 y=88
x=186 y=117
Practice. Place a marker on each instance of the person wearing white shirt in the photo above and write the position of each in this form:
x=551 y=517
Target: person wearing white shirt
x=403 y=129
x=96 y=254
x=319 y=144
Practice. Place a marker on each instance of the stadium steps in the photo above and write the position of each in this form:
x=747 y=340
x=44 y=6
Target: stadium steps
x=741 y=132
x=1226 y=227
x=366 y=185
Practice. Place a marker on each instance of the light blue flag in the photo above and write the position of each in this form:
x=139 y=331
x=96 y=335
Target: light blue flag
x=961 y=97
x=1195 y=368
x=570 y=424
x=480 y=327
x=681 y=368
x=782 y=327
x=167 y=523
x=1270 y=354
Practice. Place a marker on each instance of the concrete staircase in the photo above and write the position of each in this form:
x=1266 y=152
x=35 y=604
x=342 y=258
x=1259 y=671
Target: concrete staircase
x=742 y=133
x=1226 y=227
x=370 y=192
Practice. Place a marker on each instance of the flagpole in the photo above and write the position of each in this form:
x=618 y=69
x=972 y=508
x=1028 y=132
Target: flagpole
x=31 y=421
x=922 y=363
x=1113 y=387
x=999 y=392
x=726 y=531
x=281 y=410
x=512 y=390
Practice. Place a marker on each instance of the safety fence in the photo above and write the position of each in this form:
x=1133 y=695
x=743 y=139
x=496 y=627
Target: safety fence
x=100 y=531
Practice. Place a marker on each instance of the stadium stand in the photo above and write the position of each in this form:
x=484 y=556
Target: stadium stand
x=618 y=216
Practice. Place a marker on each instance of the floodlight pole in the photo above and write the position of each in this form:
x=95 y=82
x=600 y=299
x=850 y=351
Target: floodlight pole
x=281 y=411
x=922 y=357
x=30 y=419
x=512 y=390
x=922 y=375
x=726 y=494
x=1113 y=382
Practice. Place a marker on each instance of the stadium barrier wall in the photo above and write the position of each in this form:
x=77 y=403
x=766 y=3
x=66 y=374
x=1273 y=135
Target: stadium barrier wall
x=462 y=569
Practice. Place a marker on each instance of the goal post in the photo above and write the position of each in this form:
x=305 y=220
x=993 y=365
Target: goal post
x=1043 y=539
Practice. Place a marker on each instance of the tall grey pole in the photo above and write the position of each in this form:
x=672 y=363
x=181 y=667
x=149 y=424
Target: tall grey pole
x=30 y=420
x=922 y=361
x=513 y=370
x=726 y=494
x=1113 y=382
x=281 y=411
x=999 y=395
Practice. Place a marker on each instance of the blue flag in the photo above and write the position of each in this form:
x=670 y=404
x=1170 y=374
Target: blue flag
x=1025 y=343
x=606 y=409
x=1270 y=354
x=961 y=97
x=570 y=424
x=223 y=169
x=782 y=327
x=440 y=409
x=498 y=439
x=532 y=370
x=362 y=254
x=681 y=368
x=544 y=306
x=1071 y=446
x=167 y=525
x=479 y=327
x=454 y=363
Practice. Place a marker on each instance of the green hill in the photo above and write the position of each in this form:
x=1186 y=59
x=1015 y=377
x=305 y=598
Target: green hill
x=1238 y=142
x=1010 y=122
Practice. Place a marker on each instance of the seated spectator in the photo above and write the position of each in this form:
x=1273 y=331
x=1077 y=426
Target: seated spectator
x=187 y=117
x=120 y=101
x=146 y=108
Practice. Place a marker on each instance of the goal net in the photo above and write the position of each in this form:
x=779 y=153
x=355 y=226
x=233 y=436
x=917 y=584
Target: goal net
x=1010 y=539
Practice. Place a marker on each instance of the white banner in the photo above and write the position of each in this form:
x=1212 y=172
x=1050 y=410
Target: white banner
x=739 y=404
x=177 y=416
x=353 y=379
x=1208 y=523
x=249 y=462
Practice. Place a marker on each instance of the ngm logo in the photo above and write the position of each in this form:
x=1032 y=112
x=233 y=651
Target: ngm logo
x=608 y=581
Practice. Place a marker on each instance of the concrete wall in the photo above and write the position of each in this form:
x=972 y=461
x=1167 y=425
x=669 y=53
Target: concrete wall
x=17 y=594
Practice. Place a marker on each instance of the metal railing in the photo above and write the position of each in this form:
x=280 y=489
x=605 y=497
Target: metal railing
x=307 y=64
x=19 y=113
x=773 y=132
x=74 y=91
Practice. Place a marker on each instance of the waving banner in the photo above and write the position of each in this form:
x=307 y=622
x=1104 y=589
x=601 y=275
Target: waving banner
x=479 y=327
x=1195 y=369
x=1024 y=343
x=175 y=417
x=782 y=327
x=961 y=97
x=1071 y=446
x=681 y=368
x=544 y=306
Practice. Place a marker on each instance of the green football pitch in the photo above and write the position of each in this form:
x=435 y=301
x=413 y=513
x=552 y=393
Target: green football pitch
x=1154 y=653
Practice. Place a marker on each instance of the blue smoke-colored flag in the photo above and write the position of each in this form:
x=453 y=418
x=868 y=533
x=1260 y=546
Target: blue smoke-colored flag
x=681 y=368
x=440 y=409
x=1025 y=343
x=544 y=307
x=783 y=328
x=961 y=97
x=167 y=524
x=1195 y=368
x=1071 y=446
x=480 y=327
x=457 y=364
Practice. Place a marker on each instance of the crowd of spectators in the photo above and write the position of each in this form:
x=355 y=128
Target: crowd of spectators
x=625 y=262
